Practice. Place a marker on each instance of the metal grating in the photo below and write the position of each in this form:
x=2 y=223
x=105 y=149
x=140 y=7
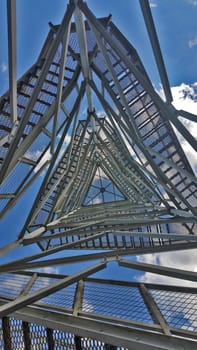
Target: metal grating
x=38 y=336
x=12 y=285
x=115 y=180
x=115 y=301
x=17 y=336
x=111 y=302
x=179 y=310
x=63 y=340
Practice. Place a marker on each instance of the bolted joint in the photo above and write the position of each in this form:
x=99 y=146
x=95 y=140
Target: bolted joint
x=91 y=113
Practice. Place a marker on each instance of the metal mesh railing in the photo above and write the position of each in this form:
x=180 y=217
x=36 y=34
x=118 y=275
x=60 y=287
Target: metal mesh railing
x=111 y=302
x=115 y=301
x=11 y=285
x=179 y=310
x=38 y=338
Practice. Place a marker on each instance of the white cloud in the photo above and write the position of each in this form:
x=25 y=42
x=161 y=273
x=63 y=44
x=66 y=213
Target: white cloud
x=97 y=200
x=67 y=140
x=3 y=67
x=49 y=270
x=36 y=155
x=178 y=306
x=192 y=42
x=152 y=4
x=33 y=155
x=185 y=98
x=47 y=155
x=101 y=114
x=192 y=2
x=184 y=260
x=188 y=150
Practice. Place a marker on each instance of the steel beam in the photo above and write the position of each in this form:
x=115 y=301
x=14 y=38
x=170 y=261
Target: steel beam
x=6 y=333
x=73 y=113
x=78 y=298
x=173 y=165
x=172 y=116
x=64 y=195
x=26 y=263
x=130 y=338
x=78 y=343
x=47 y=176
x=158 y=235
x=153 y=308
x=160 y=177
x=66 y=245
x=9 y=247
x=112 y=71
x=11 y=19
x=18 y=153
x=187 y=115
x=39 y=84
x=23 y=189
x=124 y=151
x=161 y=270
x=110 y=347
x=155 y=327
x=50 y=340
x=122 y=126
x=24 y=300
x=167 y=110
x=80 y=29
x=4 y=140
x=102 y=281
x=156 y=48
x=65 y=41
x=26 y=335
x=29 y=285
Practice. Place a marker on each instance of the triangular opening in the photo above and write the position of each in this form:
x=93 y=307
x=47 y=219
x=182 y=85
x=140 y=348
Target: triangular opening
x=102 y=189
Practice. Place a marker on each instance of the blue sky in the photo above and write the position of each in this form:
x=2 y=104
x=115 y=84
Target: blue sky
x=175 y=22
x=176 y=25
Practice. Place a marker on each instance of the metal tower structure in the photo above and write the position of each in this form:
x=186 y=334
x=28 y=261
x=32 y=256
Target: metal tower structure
x=116 y=184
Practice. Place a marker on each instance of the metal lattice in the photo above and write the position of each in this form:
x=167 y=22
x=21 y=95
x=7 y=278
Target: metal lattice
x=115 y=183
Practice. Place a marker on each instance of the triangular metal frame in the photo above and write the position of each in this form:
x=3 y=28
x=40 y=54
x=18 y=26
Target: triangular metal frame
x=135 y=145
x=102 y=189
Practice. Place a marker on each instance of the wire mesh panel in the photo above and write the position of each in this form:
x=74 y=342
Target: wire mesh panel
x=42 y=282
x=63 y=298
x=112 y=303
x=115 y=301
x=91 y=344
x=116 y=180
x=11 y=285
x=17 y=336
x=39 y=339
x=63 y=340
x=102 y=190
x=38 y=335
x=179 y=309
